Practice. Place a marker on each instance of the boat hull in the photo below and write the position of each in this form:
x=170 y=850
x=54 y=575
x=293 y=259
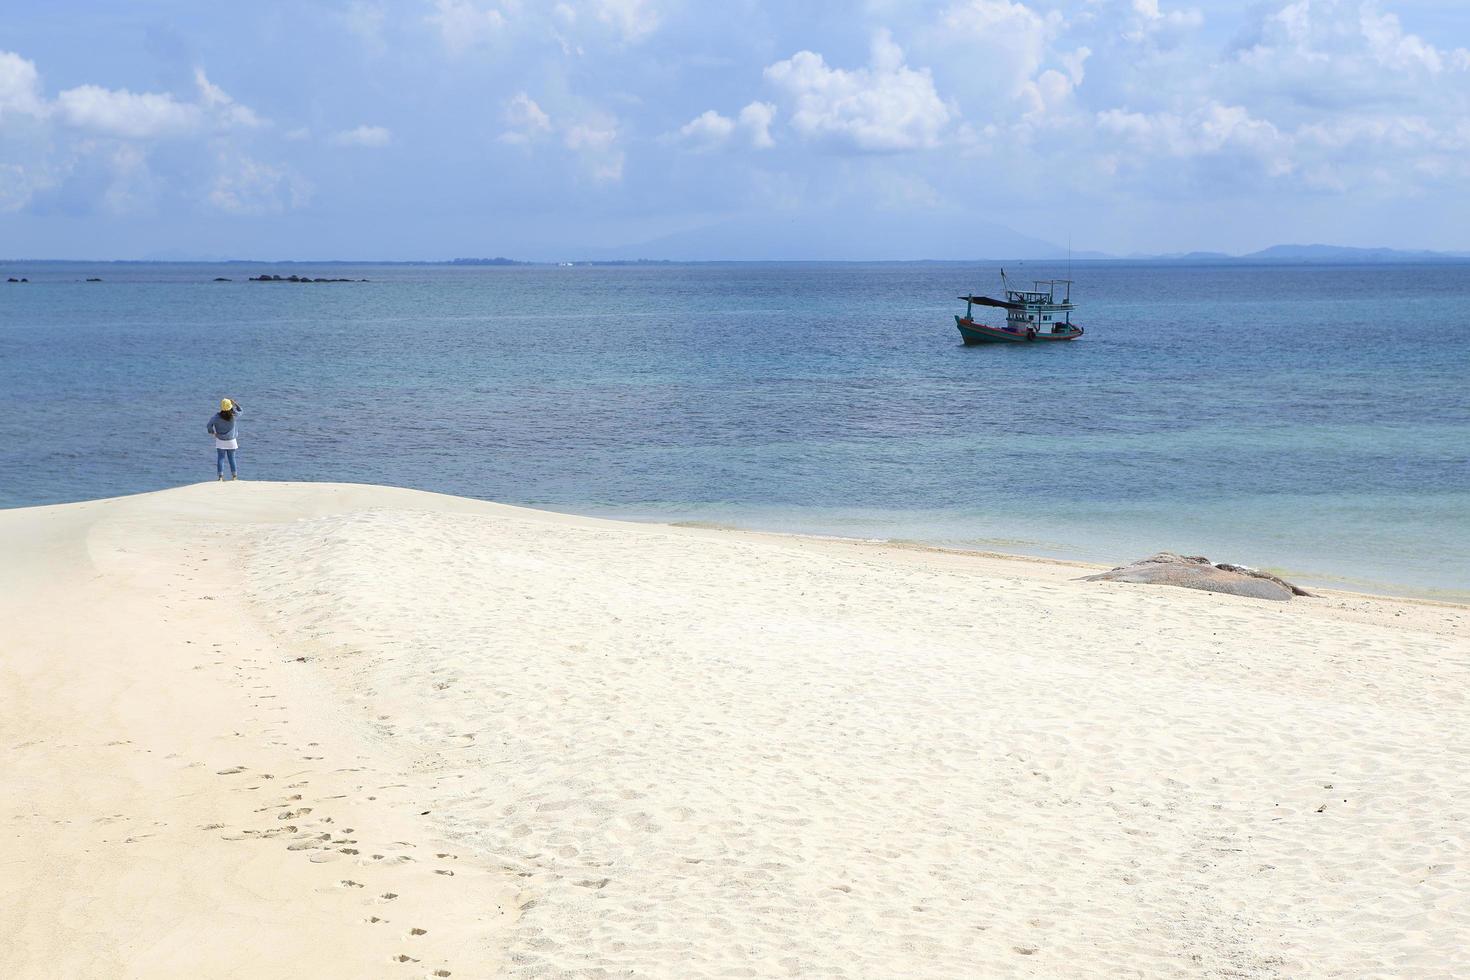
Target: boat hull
x=978 y=333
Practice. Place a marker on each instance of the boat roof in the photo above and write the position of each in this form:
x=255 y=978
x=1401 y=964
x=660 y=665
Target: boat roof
x=1006 y=304
x=988 y=301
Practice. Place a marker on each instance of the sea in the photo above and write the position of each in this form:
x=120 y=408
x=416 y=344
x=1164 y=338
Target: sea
x=1309 y=419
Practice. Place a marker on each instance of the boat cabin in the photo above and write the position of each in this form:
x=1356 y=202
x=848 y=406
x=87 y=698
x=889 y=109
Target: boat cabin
x=1038 y=309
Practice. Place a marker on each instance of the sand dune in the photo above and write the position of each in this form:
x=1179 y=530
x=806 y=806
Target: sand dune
x=239 y=717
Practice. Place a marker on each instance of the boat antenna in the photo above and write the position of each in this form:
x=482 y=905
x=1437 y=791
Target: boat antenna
x=1069 y=255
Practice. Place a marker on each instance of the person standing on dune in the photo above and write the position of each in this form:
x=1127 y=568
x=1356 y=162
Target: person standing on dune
x=226 y=437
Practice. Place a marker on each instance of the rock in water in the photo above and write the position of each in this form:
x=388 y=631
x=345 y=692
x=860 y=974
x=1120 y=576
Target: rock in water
x=1196 y=572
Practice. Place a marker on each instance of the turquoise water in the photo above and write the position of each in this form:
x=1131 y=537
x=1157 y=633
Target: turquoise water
x=1310 y=419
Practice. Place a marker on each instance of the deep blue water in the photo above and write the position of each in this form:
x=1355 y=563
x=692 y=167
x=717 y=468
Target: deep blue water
x=1307 y=418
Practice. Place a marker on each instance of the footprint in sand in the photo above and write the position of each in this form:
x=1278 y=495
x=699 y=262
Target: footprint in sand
x=230 y=771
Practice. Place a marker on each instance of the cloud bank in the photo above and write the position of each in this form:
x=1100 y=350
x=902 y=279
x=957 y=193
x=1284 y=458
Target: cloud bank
x=1126 y=123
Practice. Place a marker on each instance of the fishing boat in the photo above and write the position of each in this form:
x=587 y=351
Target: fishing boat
x=1031 y=314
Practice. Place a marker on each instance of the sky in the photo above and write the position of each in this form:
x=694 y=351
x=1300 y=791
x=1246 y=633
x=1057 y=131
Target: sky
x=742 y=129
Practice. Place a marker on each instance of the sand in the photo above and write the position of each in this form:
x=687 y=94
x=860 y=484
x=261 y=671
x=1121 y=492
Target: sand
x=287 y=730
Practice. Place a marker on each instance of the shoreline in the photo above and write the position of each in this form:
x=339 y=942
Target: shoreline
x=1346 y=586
x=341 y=730
x=1366 y=588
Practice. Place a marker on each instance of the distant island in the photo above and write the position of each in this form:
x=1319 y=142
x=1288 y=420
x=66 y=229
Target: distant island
x=1314 y=253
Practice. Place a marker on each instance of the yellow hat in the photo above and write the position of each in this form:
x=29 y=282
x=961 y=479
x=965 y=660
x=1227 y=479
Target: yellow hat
x=225 y=404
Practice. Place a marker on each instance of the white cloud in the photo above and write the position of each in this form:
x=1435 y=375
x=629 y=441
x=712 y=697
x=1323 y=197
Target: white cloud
x=247 y=186
x=1003 y=59
x=756 y=119
x=632 y=19
x=569 y=24
x=710 y=130
x=886 y=106
x=94 y=144
x=999 y=44
x=1210 y=130
x=1051 y=91
x=526 y=119
x=1392 y=47
x=118 y=112
x=24 y=177
x=1149 y=22
x=592 y=137
x=463 y=24
x=1317 y=53
x=134 y=188
x=707 y=130
x=223 y=108
x=365 y=136
x=595 y=140
x=20 y=87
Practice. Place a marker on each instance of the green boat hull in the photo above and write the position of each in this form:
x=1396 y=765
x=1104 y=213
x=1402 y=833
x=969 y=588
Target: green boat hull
x=978 y=333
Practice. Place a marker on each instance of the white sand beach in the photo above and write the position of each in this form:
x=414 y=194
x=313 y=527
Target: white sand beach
x=308 y=730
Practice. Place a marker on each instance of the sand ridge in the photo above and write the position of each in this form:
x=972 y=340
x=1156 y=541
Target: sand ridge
x=685 y=752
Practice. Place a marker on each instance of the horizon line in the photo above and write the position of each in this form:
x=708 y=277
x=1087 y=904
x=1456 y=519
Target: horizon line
x=1357 y=255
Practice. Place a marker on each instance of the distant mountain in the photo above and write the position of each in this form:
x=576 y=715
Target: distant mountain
x=1337 y=254
x=1342 y=253
x=839 y=236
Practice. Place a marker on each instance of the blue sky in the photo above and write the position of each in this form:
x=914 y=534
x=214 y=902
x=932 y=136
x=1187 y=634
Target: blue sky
x=371 y=129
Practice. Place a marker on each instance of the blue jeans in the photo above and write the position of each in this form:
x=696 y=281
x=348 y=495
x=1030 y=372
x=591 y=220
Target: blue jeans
x=219 y=460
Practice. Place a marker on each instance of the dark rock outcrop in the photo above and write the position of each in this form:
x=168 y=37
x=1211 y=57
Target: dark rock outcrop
x=1196 y=572
x=270 y=278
